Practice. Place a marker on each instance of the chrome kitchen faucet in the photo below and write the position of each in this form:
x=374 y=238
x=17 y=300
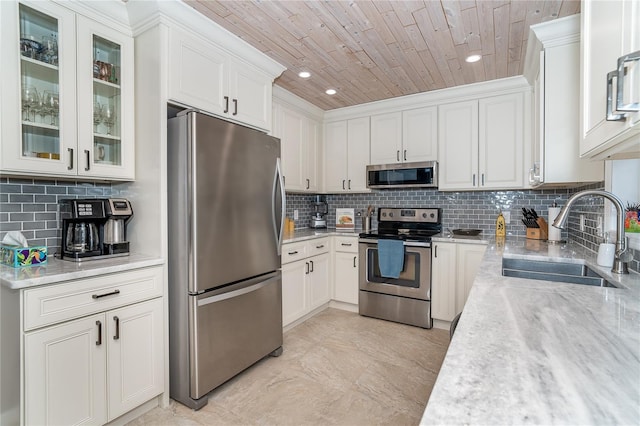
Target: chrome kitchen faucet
x=622 y=257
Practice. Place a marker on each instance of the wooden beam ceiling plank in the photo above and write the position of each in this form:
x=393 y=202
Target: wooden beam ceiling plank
x=453 y=15
x=569 y=7
x=427 y=59
x=412 y=73
x=551 y=9
x=467 y=4
x=352 y=23
x=489 y=63
x=517 y=11
x=434 y=41
x=365 y=60
x=395 y=27
x=417 y=39
x=378 y=51
x=501 y=20
x=405 y=10
x=516 y=33
x=217 y=7
x=534 y=13
x=404 y=82
x=456 y=71
x=323 y=14
x=383 y=6
x=466 y=68
x=391 y=89
x=485 y=19
x=437 y=15
x=416 y=63
x=470 y=19
x=377 y=21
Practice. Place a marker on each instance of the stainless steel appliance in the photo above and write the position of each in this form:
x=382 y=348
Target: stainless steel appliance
x=320 y=210
x=226 y=205
x=87 y=228
x=403 y=175
x=406 y=299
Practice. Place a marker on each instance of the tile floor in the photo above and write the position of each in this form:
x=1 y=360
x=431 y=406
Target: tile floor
x=338 y=368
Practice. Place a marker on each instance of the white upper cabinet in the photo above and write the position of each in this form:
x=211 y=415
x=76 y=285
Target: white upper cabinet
x=406 y=136
x=609 y=31
x=299 y=136
x=204 y=76
x=67 y=94
x=481 y=143
x=386 y=138
x=346 y=155
x=556 y=142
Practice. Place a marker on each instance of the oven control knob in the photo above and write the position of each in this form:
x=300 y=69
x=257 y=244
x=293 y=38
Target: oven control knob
x=433 y=215
x=390 y=214
x=384 y=214
x=424 y=215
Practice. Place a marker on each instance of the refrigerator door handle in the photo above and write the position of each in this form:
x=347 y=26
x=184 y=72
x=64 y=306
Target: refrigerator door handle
x=238 y=292
x=278 y=231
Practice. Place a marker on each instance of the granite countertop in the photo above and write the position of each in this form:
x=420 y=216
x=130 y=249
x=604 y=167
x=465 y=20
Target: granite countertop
x=57 y=270
x=536 y=352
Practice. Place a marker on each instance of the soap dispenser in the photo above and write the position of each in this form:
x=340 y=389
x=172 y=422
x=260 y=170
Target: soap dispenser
x=501 y=229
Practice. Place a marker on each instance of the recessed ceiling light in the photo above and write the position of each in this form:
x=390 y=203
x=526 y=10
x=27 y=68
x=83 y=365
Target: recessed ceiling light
x=304 y=74
x=473 y=58
x=331 y=91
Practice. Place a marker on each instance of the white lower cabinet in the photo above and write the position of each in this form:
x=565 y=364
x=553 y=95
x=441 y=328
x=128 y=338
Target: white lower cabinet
x=94 y=369
x=305 y=282
x=345 y=278
x=93 y=348
x=454 y=267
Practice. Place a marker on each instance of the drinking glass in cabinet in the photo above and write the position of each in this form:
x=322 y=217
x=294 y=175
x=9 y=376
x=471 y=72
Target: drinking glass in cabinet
x=51 y=106
x=108 y=116
x=30 y=101
x=97 y=116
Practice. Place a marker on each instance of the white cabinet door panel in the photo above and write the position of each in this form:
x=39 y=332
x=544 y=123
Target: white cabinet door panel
x=335 y=156
x=250 y=95
x=357 y=153
x=318 y=280
x=386 y=138
x=346 y=278
x=458 y=145
x=443 y=282
x=420 y=134
x=65 y=375
x=294 y=295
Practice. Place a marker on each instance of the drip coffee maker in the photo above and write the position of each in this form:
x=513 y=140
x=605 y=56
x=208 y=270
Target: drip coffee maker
x=320 y=209
x=94 y=228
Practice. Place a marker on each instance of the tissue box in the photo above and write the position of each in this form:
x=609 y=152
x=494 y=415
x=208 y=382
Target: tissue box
x=19 y=257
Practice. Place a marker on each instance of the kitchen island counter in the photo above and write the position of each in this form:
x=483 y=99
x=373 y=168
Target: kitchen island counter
x=537 y=352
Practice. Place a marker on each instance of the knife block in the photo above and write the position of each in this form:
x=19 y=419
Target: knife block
x=540 y=233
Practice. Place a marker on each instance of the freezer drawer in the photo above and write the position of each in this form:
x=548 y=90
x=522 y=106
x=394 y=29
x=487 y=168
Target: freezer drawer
x=232 y=329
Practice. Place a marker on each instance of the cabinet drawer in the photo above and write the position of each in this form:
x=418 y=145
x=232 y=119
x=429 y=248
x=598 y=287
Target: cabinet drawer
x=347 y=244
x=319 y=246
x=294 y=251
x=74 y=299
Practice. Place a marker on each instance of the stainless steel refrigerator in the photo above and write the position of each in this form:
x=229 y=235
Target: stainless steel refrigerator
x=226 y=211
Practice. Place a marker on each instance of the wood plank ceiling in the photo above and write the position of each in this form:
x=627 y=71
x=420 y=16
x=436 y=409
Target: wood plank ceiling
x=373 y=50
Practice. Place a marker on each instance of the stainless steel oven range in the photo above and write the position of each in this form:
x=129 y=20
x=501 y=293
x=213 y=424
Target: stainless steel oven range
x=406 y=299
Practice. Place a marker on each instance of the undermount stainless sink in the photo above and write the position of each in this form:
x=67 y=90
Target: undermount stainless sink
x=573 y=273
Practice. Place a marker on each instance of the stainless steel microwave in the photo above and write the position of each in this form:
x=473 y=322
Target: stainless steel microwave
x=405 y=175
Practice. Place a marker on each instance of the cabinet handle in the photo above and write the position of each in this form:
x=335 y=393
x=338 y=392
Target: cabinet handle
x=307 y=271
x=483 y=179
x=435 y=251
x=70 y=151
x=349 y=186
x=343 y=181
x=113 y=293
x=319 y=247
x=405 y=155
x=99 y=341
x=474 y=180
x=308 y=183
x=354 y=261
x=398 y=155
x=633 y=106
x=291 y=253
x=86 y=169
x=311 y=262
x=117 y=336
x=226 y=104
x=346 y=244
x=235 y=107
x=611 y=116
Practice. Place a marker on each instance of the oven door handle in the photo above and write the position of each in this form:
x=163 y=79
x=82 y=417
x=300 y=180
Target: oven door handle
x=406 y=243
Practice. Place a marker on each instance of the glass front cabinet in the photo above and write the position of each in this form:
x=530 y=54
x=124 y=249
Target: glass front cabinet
x=67 y=94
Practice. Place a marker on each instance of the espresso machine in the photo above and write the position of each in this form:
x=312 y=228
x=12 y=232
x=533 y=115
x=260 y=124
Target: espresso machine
x=320 y=209
x=94 y=228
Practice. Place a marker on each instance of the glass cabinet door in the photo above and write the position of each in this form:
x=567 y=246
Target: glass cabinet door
x=107 y=104
x=39 y=84
x=105 y=101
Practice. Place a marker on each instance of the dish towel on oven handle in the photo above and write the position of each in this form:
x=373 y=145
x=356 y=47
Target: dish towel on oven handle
x=390 y=257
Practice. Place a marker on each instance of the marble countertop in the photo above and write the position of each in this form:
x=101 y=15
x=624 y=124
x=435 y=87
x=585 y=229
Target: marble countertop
x=312 y=233
x=536 y=352
x=56 y=270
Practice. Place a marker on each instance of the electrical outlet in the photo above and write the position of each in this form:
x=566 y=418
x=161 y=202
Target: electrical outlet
x=581 y=223
x=507 y=216
x=295 y=215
